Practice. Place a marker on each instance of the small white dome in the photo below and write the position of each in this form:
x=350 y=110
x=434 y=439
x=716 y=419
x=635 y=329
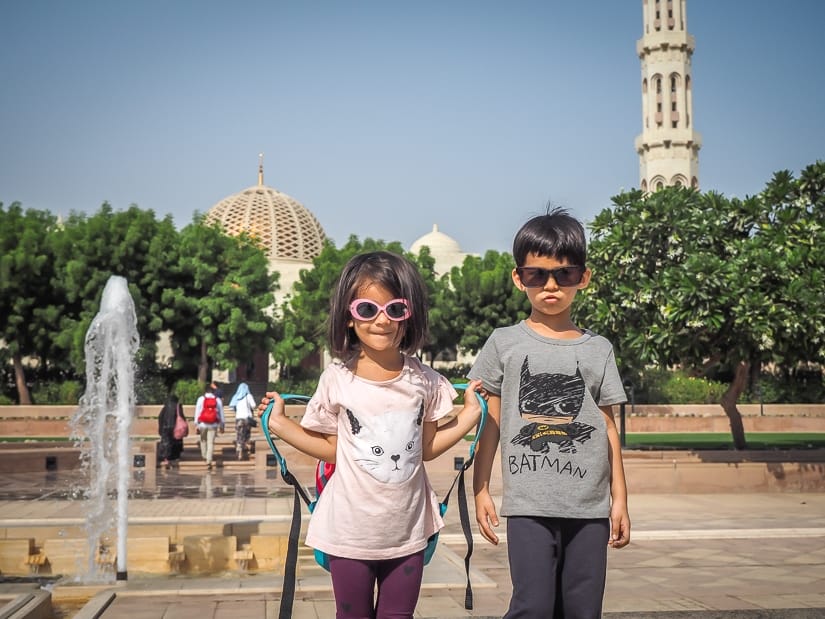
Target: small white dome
x=438 y=242
x=443 y=248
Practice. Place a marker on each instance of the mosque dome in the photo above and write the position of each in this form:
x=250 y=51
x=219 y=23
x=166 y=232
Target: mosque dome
x=285 y=228
x=444 y=249
x=437 y=241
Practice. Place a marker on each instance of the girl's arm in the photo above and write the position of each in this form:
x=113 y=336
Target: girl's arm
x=483 y=467
x=315 y=444
x=438 y=439
x=619 y=515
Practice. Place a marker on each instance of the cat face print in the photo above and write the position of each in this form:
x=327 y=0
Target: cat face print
x=387 y=446
x=546 y=396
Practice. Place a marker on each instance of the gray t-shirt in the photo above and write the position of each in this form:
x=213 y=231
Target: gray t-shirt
x=554 y=447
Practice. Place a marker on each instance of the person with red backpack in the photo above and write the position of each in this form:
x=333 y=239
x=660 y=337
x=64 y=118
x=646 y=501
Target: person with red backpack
x=208 y=419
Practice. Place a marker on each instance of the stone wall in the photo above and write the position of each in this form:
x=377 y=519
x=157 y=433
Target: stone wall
x=53 y=421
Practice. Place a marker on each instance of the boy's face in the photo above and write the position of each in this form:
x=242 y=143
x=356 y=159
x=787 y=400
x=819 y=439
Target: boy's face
x=551 y=299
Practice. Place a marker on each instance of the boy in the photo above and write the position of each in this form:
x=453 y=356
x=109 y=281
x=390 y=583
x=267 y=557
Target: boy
x=552 y=386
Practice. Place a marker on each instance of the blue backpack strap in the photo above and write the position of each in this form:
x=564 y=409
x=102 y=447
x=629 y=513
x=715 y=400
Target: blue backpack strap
x=463 y=511
x=291 y=562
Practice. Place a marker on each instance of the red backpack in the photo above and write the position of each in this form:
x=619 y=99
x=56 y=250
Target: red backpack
x=209 y=412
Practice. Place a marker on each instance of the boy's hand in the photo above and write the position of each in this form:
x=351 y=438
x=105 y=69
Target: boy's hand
x=486 y=516
x=619 y=527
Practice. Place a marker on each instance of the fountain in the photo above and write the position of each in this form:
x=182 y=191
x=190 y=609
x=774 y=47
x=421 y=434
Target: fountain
x=101 y=425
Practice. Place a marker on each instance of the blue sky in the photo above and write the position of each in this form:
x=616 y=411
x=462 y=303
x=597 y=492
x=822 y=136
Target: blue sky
x=384 y=118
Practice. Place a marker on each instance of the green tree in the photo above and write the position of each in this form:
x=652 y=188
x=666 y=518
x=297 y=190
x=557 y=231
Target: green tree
x=442 y=336
x=217 y=299
x=305 y=313
x=28 y=306
x=88 y=251
x=699 y=281
x=481 y=297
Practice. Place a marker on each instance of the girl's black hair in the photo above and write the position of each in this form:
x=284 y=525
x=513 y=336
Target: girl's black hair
x=388 y=270
x=557 y=234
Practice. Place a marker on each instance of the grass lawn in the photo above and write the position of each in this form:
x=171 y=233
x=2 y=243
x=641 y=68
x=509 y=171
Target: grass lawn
x=722 y=440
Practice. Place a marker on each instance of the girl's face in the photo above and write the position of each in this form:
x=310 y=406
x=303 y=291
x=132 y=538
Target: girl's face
x=380 y=334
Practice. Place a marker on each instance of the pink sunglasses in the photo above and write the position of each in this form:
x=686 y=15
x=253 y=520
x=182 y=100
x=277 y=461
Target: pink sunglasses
x=365 y=309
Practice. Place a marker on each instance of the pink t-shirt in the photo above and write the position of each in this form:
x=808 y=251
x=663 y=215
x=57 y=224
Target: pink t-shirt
x=379 y=503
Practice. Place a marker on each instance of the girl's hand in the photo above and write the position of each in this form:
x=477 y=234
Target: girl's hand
x=471 y=402
x=278 y=408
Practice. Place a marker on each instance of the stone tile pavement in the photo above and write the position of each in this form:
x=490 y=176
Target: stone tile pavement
x=725 y=555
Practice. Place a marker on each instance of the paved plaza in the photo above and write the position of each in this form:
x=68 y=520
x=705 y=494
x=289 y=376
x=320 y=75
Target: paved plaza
x=716 y=555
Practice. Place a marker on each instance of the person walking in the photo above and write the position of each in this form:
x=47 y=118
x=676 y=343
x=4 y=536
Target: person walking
x=209 y=420
x=167 y=419
x=244 y=404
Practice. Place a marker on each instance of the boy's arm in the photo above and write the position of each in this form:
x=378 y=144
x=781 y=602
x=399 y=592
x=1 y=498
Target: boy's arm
x=483 y=467
x=438 y=439
x=619 y=515
x=315 y=444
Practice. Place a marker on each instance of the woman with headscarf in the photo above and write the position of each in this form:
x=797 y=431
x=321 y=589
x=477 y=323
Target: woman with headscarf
x=170 y=447
x=244 y=405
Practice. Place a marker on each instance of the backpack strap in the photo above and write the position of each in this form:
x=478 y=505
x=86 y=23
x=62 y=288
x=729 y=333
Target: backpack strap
x=463 y=511
x=291 y=562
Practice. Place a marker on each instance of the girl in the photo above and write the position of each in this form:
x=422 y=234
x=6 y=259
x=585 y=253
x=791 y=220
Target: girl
x=244 y=405
x=375 y=414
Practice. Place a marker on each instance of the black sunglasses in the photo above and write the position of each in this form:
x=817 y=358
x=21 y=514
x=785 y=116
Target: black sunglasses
x=536 y=277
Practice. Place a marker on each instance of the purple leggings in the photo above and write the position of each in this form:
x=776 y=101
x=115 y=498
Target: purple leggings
x=399 y=583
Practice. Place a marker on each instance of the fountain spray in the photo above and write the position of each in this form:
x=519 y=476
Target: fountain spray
x=104 y=418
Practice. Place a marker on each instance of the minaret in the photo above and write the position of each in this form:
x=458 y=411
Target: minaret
x=668 y=146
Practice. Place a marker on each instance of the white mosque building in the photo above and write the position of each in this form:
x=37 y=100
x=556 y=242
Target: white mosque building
x=668 y=146
x=291 y=237
x=668 y=150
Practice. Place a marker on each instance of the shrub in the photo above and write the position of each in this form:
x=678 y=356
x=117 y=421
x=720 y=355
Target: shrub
x=799 y=386
x=676 y=387
x=188 y=391
x=298 y=386
x=57 y=392
x=150 y=390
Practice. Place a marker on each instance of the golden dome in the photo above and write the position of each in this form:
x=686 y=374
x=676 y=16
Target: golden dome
x=284 y=227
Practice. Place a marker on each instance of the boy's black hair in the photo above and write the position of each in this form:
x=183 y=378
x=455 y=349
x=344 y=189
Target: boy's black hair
x=393 y=272
x=556 y=234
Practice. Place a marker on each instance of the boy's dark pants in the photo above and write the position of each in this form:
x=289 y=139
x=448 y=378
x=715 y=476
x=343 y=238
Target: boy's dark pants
x=558 y=567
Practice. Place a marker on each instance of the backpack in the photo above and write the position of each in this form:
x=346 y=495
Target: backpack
x=323 y=471
x=209 y=412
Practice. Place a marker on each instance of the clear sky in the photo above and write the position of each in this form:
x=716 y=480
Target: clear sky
x=385 y=117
